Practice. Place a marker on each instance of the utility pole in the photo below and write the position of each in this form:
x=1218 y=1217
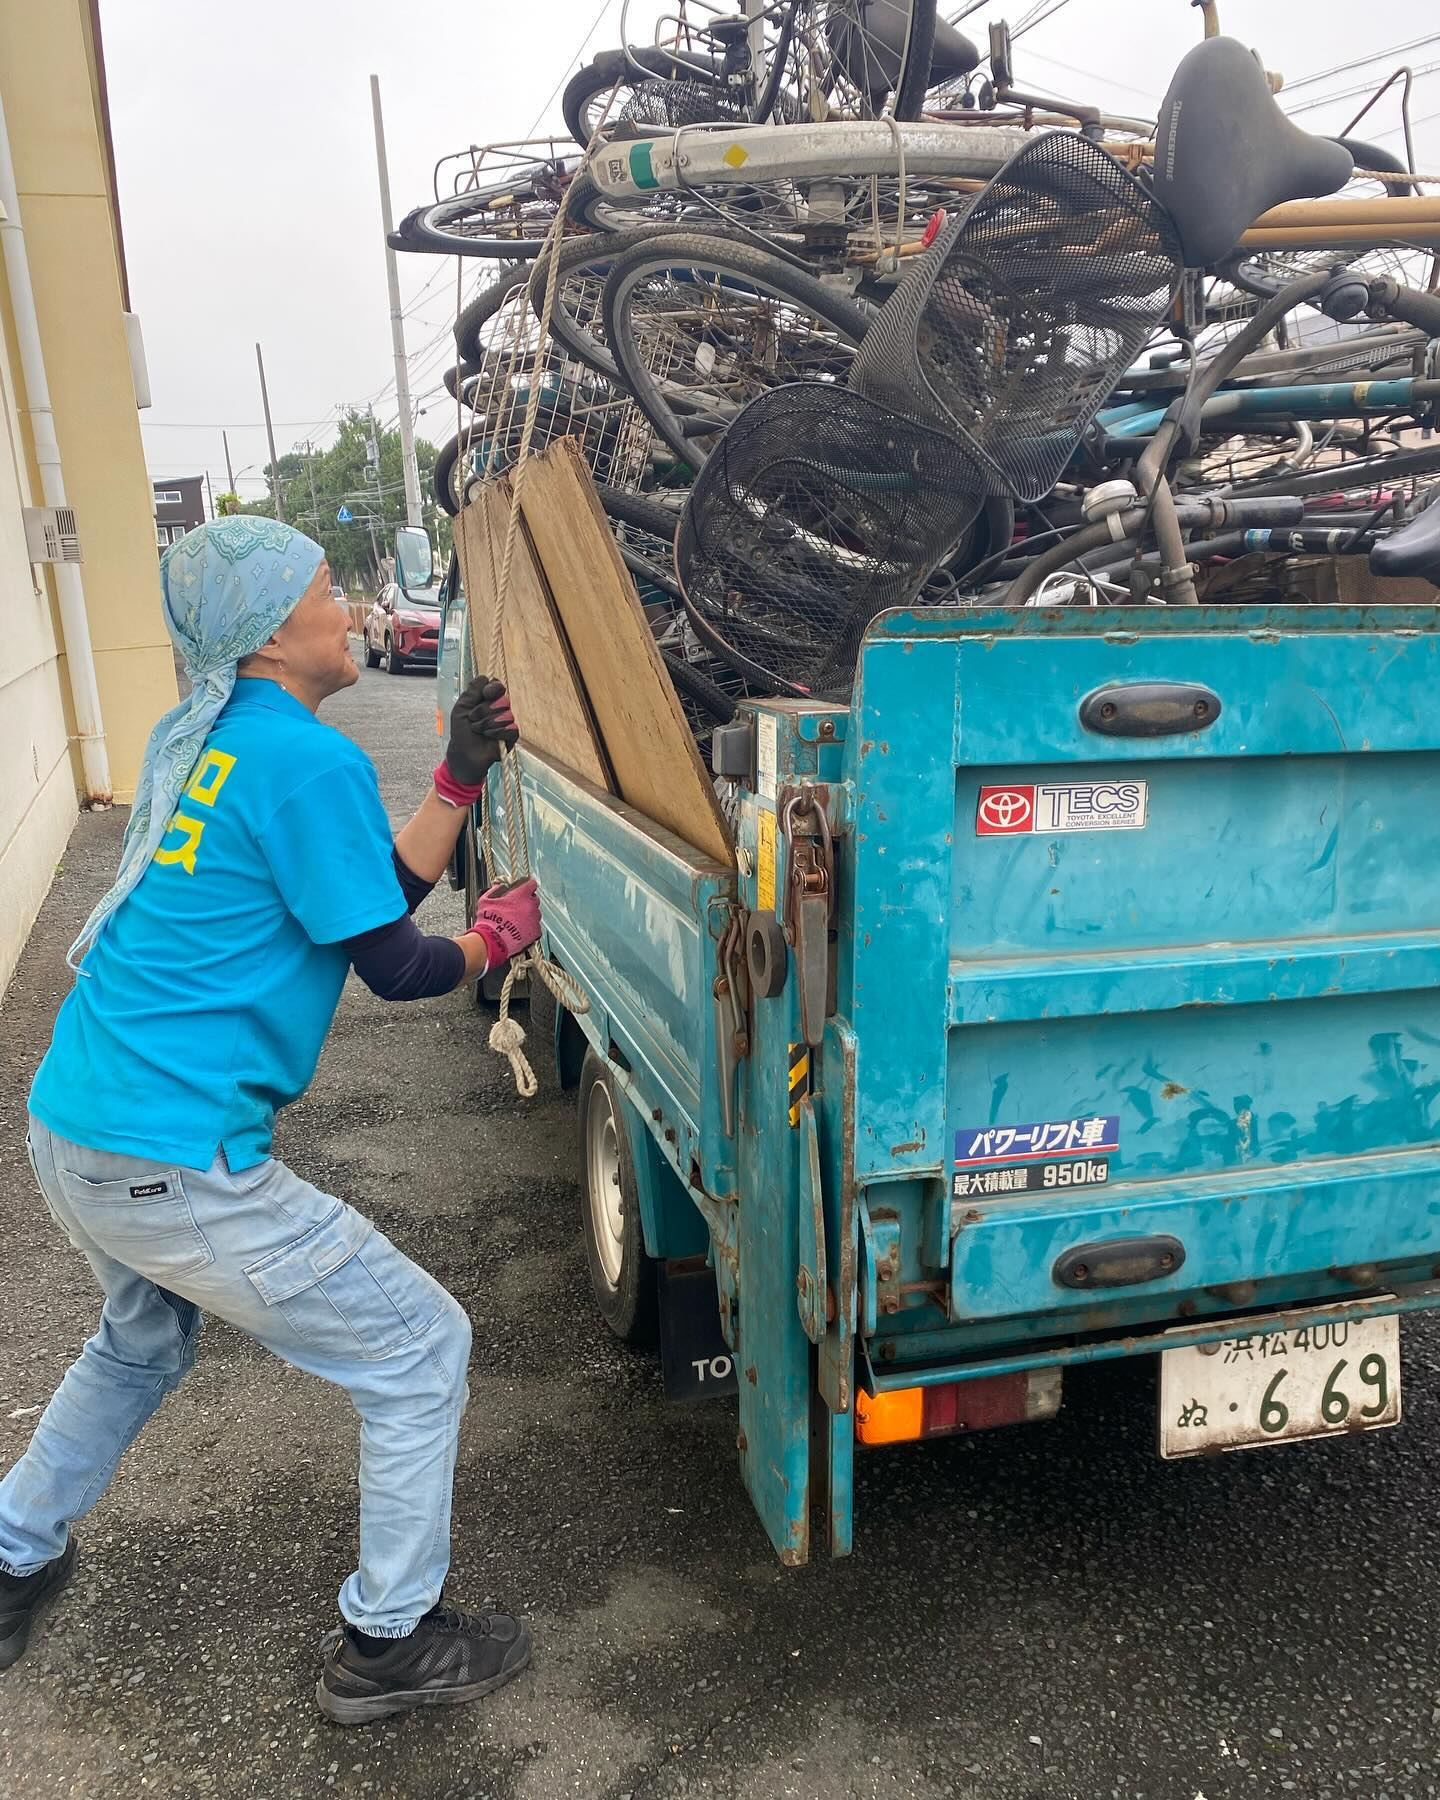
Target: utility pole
x=310 y=471
x=277 y=484
x=397 y=322
x=229 y=472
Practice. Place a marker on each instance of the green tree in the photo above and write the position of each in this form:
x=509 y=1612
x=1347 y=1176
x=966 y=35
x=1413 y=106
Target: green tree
x=317 y=485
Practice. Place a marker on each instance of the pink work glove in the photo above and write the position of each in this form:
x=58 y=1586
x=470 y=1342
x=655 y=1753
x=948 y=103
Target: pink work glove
x=507 y=920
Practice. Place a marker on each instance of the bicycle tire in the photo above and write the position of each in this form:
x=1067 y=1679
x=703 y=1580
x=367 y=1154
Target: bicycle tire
x=415 y=236
x=611 y=67
x=914 y=81
x=443 y=475
x=912 y=77
x=731 y=259
x=472 y=319
x=598 y=77
x=459 y=381
x=437 y=226
x=569 y=326
x=688 y=679
x=640 y=511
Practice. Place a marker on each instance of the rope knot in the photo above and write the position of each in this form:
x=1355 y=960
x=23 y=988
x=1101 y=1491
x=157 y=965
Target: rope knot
x=507 y=1039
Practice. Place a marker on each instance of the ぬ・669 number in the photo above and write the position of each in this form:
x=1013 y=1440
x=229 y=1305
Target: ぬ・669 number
x=1371 y=1372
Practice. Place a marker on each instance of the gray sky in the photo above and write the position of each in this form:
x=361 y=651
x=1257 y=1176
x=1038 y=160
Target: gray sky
x=246 y=167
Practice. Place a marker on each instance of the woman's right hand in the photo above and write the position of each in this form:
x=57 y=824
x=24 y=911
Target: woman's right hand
x=507 y=918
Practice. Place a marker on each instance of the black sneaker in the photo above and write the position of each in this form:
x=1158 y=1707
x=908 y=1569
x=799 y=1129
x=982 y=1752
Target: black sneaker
x=19 y=1604
x=451 y=1657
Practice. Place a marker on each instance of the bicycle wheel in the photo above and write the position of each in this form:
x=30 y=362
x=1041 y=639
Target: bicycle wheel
x=718 y=322
x=506 y=219
x=587 y=97
x=876 y=49
x=576 y=318
x=472 y=340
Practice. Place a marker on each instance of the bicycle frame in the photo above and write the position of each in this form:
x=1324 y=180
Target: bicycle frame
x=731 y=155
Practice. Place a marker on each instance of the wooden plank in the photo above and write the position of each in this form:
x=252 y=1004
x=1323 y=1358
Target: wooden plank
x=548 y=694
x=657 y=768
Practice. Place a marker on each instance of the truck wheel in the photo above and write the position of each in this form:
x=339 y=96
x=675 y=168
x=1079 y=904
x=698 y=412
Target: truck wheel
x=621 y=1274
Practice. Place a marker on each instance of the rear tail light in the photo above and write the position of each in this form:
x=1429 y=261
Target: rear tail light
x=904 y=1415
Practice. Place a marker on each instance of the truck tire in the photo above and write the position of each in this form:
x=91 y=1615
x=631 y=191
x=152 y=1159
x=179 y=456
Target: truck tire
x=621 y=1274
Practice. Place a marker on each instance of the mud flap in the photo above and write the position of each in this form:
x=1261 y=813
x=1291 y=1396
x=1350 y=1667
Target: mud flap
x=695 y=1360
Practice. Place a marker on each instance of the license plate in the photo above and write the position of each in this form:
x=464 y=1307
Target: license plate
x=1308 y=1381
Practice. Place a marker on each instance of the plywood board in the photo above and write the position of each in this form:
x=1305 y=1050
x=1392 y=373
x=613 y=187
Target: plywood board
x=548 y=694
x=646 y=739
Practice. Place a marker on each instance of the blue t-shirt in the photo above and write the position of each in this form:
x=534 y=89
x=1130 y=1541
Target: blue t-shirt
x=202 y=1008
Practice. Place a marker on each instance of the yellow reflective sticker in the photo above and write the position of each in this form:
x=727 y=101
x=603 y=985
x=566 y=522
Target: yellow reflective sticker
x=765 y=862
x=735 y=156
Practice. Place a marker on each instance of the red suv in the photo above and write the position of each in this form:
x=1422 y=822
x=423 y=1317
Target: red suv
x=403 y=628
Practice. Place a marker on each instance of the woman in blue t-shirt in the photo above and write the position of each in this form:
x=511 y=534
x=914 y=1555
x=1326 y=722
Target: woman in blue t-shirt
x=257 y=869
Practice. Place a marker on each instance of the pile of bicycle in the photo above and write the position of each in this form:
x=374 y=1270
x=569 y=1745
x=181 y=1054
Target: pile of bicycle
x=846 y=320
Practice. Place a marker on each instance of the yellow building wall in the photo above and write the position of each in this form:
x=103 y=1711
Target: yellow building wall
x=48 y=78
x=37 y=786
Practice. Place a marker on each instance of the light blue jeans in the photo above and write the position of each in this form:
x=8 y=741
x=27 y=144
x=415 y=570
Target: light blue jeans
x=300 y=1271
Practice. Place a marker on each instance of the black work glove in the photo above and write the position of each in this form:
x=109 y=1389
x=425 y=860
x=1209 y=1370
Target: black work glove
x=480 y=722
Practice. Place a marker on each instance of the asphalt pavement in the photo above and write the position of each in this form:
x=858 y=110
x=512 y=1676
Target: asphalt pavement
x=1044 y=1613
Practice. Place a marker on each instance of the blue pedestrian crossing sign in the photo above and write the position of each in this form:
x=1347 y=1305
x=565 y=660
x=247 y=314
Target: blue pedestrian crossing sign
x=344 y=516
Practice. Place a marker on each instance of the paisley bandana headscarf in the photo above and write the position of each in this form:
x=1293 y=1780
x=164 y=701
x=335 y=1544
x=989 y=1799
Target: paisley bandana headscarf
x=225 y=588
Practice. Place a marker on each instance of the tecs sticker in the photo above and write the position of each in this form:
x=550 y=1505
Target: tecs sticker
x=1053 y=806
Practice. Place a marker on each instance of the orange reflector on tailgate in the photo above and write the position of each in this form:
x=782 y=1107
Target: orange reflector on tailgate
x=905 y=1414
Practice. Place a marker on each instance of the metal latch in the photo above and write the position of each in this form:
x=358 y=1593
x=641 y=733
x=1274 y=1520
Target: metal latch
x=808 y=898
x=732 y=1038
x=811 y=1279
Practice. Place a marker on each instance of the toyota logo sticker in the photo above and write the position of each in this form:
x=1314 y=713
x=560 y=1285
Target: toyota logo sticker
x=1005 y=809
x=1051 y=806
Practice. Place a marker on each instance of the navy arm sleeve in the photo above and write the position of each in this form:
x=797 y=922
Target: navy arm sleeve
x=414 y=887
x=399 y=962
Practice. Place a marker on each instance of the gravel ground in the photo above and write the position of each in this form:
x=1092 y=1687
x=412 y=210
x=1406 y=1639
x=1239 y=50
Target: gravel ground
x=1041 y=1614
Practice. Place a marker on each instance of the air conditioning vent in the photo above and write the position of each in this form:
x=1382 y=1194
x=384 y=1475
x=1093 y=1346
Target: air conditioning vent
x=51 y=535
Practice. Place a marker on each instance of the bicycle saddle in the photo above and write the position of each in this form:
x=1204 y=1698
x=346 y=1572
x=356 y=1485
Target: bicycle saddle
x=1225 y=153
x=1412 y=550
x=953 y=56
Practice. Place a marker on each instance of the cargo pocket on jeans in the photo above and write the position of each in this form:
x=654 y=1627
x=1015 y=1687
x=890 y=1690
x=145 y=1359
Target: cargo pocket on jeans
x=324 y=1287
x=143 y=1221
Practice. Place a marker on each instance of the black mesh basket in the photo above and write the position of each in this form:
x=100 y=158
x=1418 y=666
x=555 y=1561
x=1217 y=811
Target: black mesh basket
x=1016 y=323
x=673 y=104
x=818 y=510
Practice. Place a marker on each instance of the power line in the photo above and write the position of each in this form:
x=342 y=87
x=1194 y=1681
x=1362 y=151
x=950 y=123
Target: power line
x=1037 y=15
x=1365 y=87
x=231 y=424
x=1359 y=62
x=1092 y=75
x=1396 y=130
x=605 y=6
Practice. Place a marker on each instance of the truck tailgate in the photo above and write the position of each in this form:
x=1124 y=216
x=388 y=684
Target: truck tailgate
x=1183 y=987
